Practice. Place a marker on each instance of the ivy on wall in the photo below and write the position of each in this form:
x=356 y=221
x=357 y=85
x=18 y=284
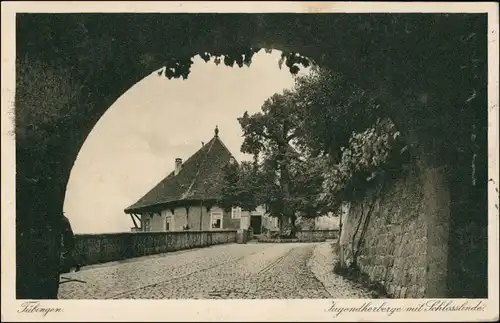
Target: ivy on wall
x=369 y=155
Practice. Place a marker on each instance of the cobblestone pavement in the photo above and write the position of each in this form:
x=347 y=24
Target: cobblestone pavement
x=322 y=263
x=260 y=270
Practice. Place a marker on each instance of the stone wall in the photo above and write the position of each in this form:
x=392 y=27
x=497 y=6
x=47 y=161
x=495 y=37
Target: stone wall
x=406 y=240
x=307 y=235
x=99 y=248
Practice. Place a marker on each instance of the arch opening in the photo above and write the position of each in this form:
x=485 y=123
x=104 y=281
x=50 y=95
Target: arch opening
x=157 y=120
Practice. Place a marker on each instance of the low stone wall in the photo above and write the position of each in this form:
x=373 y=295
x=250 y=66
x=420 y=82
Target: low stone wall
x=99 y=248
x=318 y=234
x=287 y=240
x=304 y=236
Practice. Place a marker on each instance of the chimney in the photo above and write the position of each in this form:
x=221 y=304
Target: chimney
x=178 y=166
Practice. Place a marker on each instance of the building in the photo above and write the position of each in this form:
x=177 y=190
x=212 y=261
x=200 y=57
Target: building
x=187 y=198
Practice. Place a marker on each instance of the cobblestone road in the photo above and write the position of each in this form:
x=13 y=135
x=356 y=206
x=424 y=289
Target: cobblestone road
x=226 y=271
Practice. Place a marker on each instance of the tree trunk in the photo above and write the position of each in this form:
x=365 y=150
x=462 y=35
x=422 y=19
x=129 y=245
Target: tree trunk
x=288 y=213
x=293 y=228
x=340 y=224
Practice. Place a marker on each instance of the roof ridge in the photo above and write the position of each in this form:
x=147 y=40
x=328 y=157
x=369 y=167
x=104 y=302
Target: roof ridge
x=198 y=171
x=189 y=158
x=192 y=181
x=171 y=173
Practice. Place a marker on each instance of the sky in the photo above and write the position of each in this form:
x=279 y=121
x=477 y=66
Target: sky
x=135 y=143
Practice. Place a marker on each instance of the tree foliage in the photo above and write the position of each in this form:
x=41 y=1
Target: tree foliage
x=330 y=110
x=323 y=142
x=345 y=134
x=241 y=187
x=279 y=177
x=308 y=176
x=272 y=130
x=175 y=68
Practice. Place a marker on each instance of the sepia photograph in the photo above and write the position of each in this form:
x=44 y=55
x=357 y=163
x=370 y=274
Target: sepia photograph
x=323 y=158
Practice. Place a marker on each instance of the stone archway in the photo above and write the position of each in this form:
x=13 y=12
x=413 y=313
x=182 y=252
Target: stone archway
x=404 y=59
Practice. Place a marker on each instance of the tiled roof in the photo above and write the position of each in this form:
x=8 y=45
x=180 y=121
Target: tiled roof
x=200 y=178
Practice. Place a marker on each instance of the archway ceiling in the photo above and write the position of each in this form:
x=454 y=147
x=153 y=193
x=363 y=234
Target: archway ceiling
x=376 y=46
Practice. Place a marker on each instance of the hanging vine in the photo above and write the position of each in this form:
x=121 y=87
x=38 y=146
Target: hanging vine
x=369 y=154
x=175 y=67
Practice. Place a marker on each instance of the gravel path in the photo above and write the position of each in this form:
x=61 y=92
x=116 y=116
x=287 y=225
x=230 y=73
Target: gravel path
x=232 y=271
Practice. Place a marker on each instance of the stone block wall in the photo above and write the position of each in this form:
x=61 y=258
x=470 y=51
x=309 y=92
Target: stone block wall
x=317 y=234
x=405 y=244
x=99 y=248
x=310 y=235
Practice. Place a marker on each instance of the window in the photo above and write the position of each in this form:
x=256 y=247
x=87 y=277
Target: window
x=147 y=225
x=236 y=213
x=216 y=219
x=169 y=223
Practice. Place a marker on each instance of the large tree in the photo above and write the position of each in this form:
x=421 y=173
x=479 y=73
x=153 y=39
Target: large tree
x=296 y=139
x=279 y=177
x=269 y=134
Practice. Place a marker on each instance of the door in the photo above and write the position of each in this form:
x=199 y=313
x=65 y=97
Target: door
x=256 y=224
